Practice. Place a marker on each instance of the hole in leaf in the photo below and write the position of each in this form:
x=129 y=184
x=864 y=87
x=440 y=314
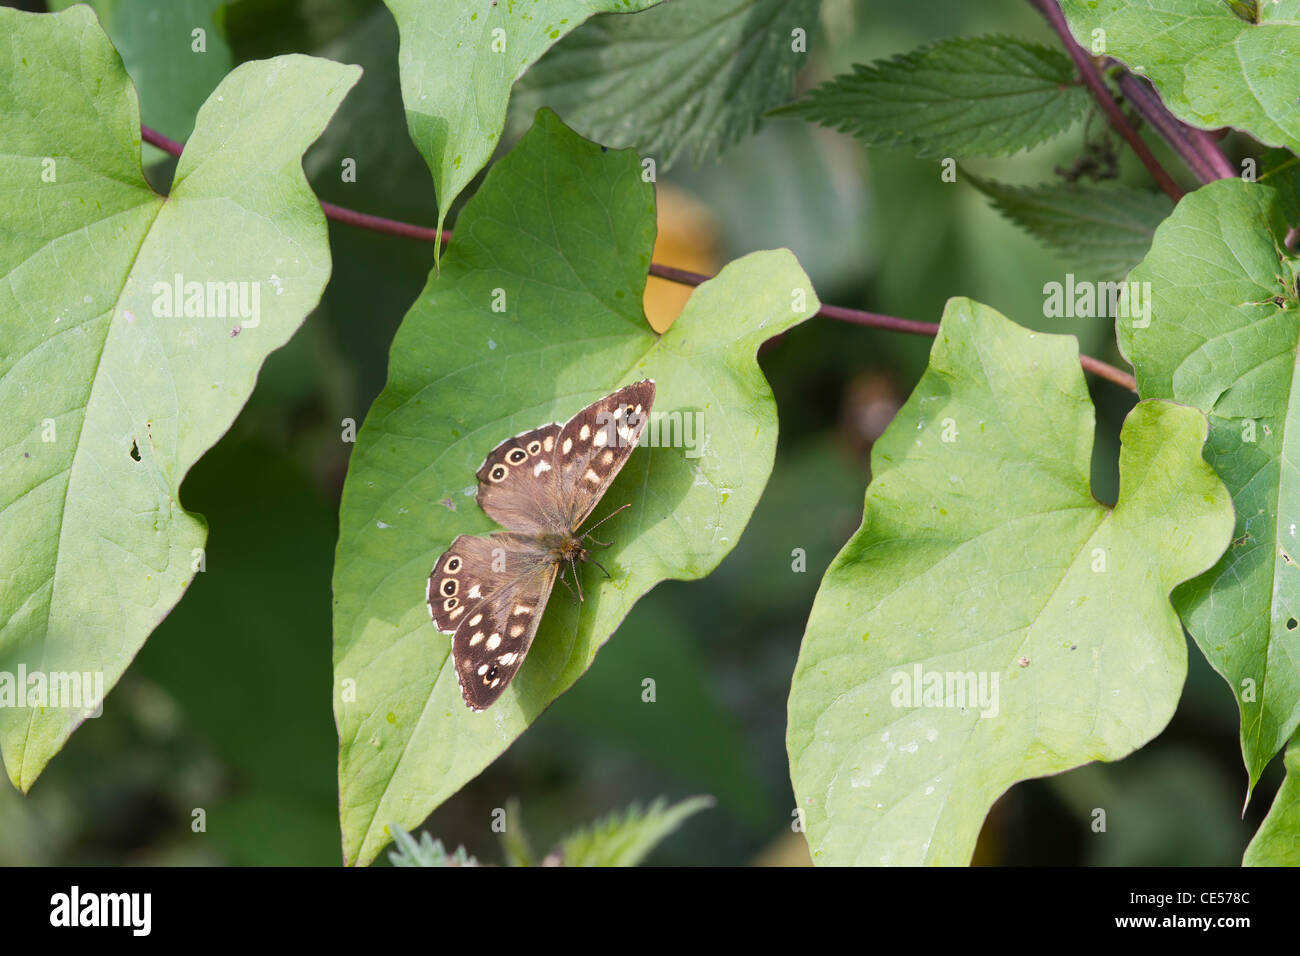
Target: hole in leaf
x=135 y=451
x=1291 y=624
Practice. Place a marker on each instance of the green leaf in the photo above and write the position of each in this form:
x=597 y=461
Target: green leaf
x=1223 y=334
x=458 y=62
x=109 y=404
x=968 y=96
x=568 y=263
x=1212 y=67
x=156 y=43
x=1281 y=170
x=692 y=76
x=1277 y=842
x=626 y=840
x=1105 y=229
x=982 y=552
x=426 y=852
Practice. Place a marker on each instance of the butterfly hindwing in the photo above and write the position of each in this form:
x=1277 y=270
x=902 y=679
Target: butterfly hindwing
x=593 y=446
x=517 y=481
x=474 y=567
x=492 y=640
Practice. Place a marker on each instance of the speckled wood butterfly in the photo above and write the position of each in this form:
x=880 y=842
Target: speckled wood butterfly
x=489 y=591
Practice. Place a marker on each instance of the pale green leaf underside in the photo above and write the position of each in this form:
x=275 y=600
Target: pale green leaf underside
x=458 y=62
x=1277 y=842
x=1104 y=230
x=96 y=545
x=986 y=554
x=560 y=233
x=689 y=77
x=1224 y=330
x=1212 y=67
x=626 y=839
x=968 y=96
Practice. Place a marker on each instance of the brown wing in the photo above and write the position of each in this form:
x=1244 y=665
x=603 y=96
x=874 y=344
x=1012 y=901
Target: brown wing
x=595 y=444
x=473 y=568
x=517 y=484
x=495 y=635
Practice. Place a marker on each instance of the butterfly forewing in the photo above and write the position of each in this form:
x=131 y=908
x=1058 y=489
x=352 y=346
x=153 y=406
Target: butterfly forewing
x=517 y=482
x=594 y=445
x=492 y=641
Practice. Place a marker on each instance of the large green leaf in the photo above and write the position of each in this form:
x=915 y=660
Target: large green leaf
x=1106 y=229
x=968 y=96
x=982 y=552
x=458 y=62
x=108 y=403
x=1277 y=842
x=689 y=77
x=1212 y=65
x=561 y=234
x=1223 y=334
x=157 y=44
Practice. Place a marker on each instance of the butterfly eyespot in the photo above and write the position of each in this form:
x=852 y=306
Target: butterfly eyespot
x=452 y=565
x=450 y=603
x=534 y=447
x=516 y=456
x=498 y=473
x=491 y=673
x=449 y=587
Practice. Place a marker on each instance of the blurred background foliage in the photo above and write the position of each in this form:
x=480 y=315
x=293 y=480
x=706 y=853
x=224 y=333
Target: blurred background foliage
x=227 y=709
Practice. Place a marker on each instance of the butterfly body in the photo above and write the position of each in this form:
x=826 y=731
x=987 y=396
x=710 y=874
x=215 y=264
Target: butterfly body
x=489 y=591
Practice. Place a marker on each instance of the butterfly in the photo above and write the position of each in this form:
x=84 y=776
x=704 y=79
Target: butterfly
x=489 y=591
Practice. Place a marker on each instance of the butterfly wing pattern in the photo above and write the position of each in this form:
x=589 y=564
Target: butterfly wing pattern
x=489 y=591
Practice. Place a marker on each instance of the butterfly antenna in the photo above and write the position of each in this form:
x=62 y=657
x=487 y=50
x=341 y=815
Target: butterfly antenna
x=604 y=544
x=599 y=565
x=570 y=587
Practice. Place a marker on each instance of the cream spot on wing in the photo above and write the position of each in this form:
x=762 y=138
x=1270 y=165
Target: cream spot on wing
x=476 y=638
x=618 y=411
x=601 y=439
x=474 y=592
x=493 y=642
x=592 y=477
x=482 y=669
x=495 y=682
x=541 y=467
x=523 y=609
x=568 y=446
x=473 y=621
x=516 y=630
x=508 y=659
x=549 y=443
x=606 y=458
x=625 y=433
x=585 y=432
x=638 y=409
x=458 y=612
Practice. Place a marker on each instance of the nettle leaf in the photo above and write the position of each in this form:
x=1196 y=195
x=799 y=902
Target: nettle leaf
x=109 y=399
x=425 y=852
x=1223 y=333
x=692 y=76
x=1212 y=66
x=1104 y=229
x=1277 y=842
x=537 y=312
x=968 y=96
x=626 y=839
x=458 y=62
x=984 y=562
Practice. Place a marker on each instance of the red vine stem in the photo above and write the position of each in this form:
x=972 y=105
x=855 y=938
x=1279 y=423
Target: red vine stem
x=1091 y=77
x=874 y=320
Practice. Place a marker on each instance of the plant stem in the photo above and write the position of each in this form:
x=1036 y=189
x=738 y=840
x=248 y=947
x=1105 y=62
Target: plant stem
x=1196 y=147
x=875 y=320
x=1091 y=77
